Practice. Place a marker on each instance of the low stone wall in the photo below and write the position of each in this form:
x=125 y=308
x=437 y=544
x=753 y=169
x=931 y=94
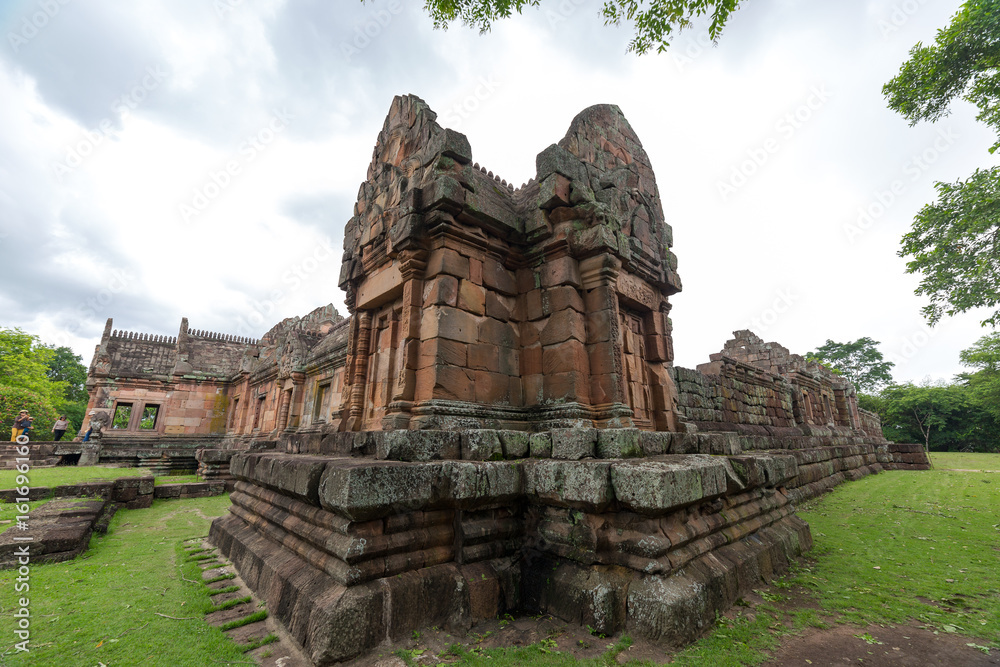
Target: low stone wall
x=191 y=489
x=737 y=394
x=127 y=492
x=159 y=461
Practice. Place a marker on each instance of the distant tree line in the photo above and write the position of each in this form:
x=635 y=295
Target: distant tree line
x=961 y=415
x=45 y=380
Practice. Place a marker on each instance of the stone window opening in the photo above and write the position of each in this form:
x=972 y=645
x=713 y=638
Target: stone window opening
x=235 y=411
x=122 y=417
x=150 y=414
x=321 y=403
x=257 y=411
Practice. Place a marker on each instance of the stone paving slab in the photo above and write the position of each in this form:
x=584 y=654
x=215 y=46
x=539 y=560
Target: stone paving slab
x=59 y=530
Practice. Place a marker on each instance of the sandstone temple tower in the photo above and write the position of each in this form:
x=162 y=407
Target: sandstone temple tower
x=474 y=304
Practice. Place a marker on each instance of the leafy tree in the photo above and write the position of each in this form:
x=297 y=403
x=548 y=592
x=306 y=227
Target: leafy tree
x=25 y=363
x=955 y=243
x=920 y=412
x=860 y=362
x=873 y=403
x=984 y=354
x=15 y=399
x=65 y=366
x=654 y=21
x=984 y=385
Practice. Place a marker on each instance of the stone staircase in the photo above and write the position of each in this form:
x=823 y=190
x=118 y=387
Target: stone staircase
x=40 y=455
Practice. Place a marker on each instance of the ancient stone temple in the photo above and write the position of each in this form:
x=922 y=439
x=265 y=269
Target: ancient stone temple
x=498 y=425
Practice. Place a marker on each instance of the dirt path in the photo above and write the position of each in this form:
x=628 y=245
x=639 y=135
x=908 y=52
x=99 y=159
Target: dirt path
x=900 y=646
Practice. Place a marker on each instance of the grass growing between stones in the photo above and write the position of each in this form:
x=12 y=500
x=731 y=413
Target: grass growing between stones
x=63 y=475
x=126 y=600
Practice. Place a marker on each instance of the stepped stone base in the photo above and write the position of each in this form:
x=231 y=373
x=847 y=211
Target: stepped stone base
x=352 y=551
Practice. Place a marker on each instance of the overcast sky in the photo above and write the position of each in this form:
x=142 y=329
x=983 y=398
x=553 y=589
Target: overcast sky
x=166 y=159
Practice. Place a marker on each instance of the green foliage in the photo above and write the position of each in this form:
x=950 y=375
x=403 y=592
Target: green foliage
x=962 y=63
x=955 y=246
x=984 y=354
x=123 y=413
x=24 y=362
x=654 y=21
x=984 y=385
x=15 y=399
x=955 y=243
x=54 y=376
x=873 y=403
x=963 y=415
x=859 y=361
x=918 y=412
x=64 y=366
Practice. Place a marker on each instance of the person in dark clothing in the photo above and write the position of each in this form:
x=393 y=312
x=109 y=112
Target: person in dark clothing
x=59 y=428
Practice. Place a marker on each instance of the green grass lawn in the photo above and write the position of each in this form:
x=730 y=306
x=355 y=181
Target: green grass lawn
x=102 y=606
x=61 y=475
x=883 y=543
x=960 y=461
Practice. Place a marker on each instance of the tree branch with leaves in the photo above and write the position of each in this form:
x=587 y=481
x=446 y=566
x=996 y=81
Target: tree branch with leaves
x=654 y=22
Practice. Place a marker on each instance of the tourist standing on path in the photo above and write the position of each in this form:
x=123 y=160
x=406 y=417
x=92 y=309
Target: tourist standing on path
x=59 y=428
x=21 y=425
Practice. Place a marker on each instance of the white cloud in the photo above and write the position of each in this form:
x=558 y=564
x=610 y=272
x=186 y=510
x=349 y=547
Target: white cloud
x=707 y=116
